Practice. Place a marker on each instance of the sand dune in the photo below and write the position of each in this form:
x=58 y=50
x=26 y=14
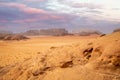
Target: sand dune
x=72 y=58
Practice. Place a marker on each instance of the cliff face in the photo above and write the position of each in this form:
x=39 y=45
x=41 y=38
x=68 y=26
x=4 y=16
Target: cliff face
x=94 y=59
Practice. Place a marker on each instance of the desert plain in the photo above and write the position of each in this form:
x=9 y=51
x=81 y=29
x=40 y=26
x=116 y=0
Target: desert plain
x=61 y=58
x=14 y=51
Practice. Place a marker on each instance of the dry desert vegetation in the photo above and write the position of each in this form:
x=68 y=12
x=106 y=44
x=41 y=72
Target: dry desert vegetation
x=61 y=58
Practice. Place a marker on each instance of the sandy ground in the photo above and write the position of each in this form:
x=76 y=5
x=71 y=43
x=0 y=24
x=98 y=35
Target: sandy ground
x=62 y=58
x=16 y=51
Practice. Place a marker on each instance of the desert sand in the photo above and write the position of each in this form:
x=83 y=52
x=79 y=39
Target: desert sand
x=61 y=58
x=12 y=52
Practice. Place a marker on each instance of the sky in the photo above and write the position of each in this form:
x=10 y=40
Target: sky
x=73 y=15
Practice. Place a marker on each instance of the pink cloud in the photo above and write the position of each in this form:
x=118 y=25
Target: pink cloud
x=25 y=20
x=15 y=5
x=41 y=18
x=42 y=14
x=24 y=8
x=3 y=21
x=33 y=19
x=33 y=10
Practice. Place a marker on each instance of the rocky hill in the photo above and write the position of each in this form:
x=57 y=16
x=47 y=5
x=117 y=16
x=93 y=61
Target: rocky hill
x=88 y=32
x=12 y=37
x=94 y=59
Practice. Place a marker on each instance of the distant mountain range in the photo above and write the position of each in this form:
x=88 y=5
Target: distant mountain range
x=51 y=32
x=59 y=32
x=56 y=32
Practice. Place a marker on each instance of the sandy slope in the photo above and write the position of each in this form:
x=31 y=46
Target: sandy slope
x=88 y=59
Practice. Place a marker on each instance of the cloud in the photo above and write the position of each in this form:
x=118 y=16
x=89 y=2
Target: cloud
x=8 y=0
x=25 y=21
x=33 y=10
x=71 y=14
x=24 y=8
x=35 y=0
x=93 y=9
x=3 y=21
x=86 y=5
x=45 y=18
x=21 y=13
x=73 y=7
